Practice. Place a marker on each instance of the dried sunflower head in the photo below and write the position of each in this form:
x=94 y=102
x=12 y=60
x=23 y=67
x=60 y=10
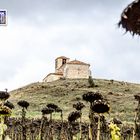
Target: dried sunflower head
x=4 y=95
x=128 y=131
x=9 y=104
x=100 y=106
x=78 y=106
x=137 y=97
x=5 y=111
x=73 y=116
x=47 y=110
x=92 y=96
x=58 y=109
x=23 y=104
x=116 y=121
x=53 y=106
x=130 y=18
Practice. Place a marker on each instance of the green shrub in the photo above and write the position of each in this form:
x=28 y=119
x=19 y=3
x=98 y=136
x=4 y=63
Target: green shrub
x=91 y=82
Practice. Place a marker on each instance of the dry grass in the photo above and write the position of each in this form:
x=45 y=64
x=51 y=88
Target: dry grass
x=65 y=93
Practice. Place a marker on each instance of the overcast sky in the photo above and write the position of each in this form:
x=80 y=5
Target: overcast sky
x=38 y=31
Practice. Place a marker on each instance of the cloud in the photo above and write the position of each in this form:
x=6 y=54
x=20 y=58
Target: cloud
x=40 y=31
x=56 y=8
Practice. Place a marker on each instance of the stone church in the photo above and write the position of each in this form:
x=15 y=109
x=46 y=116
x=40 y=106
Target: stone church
x=64 y=68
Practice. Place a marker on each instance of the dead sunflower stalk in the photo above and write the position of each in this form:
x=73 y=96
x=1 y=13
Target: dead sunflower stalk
x=136 y=131
x=100 y=107
x=4 y=112
x=24 y=104
x=91 y=97
x=79 y=106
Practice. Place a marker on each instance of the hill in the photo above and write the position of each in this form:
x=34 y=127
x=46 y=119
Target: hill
x=65 y=93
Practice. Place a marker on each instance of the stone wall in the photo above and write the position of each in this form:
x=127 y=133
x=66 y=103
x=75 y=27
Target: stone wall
x=61 y=69
x=59 y=66
x=76 y=71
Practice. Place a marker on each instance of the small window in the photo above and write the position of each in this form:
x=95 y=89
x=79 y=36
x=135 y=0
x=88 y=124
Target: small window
x=64 y=61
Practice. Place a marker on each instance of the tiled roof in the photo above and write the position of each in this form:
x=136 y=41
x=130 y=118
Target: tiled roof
x=77 y=62
x=61 y=57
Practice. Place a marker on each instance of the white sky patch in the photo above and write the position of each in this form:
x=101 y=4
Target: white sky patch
x=25 y=75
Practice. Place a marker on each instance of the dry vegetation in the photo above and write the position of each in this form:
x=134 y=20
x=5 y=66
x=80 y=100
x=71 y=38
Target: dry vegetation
x=65 y=93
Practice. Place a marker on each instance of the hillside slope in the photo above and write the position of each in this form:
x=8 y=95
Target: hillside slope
x=67 y=92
